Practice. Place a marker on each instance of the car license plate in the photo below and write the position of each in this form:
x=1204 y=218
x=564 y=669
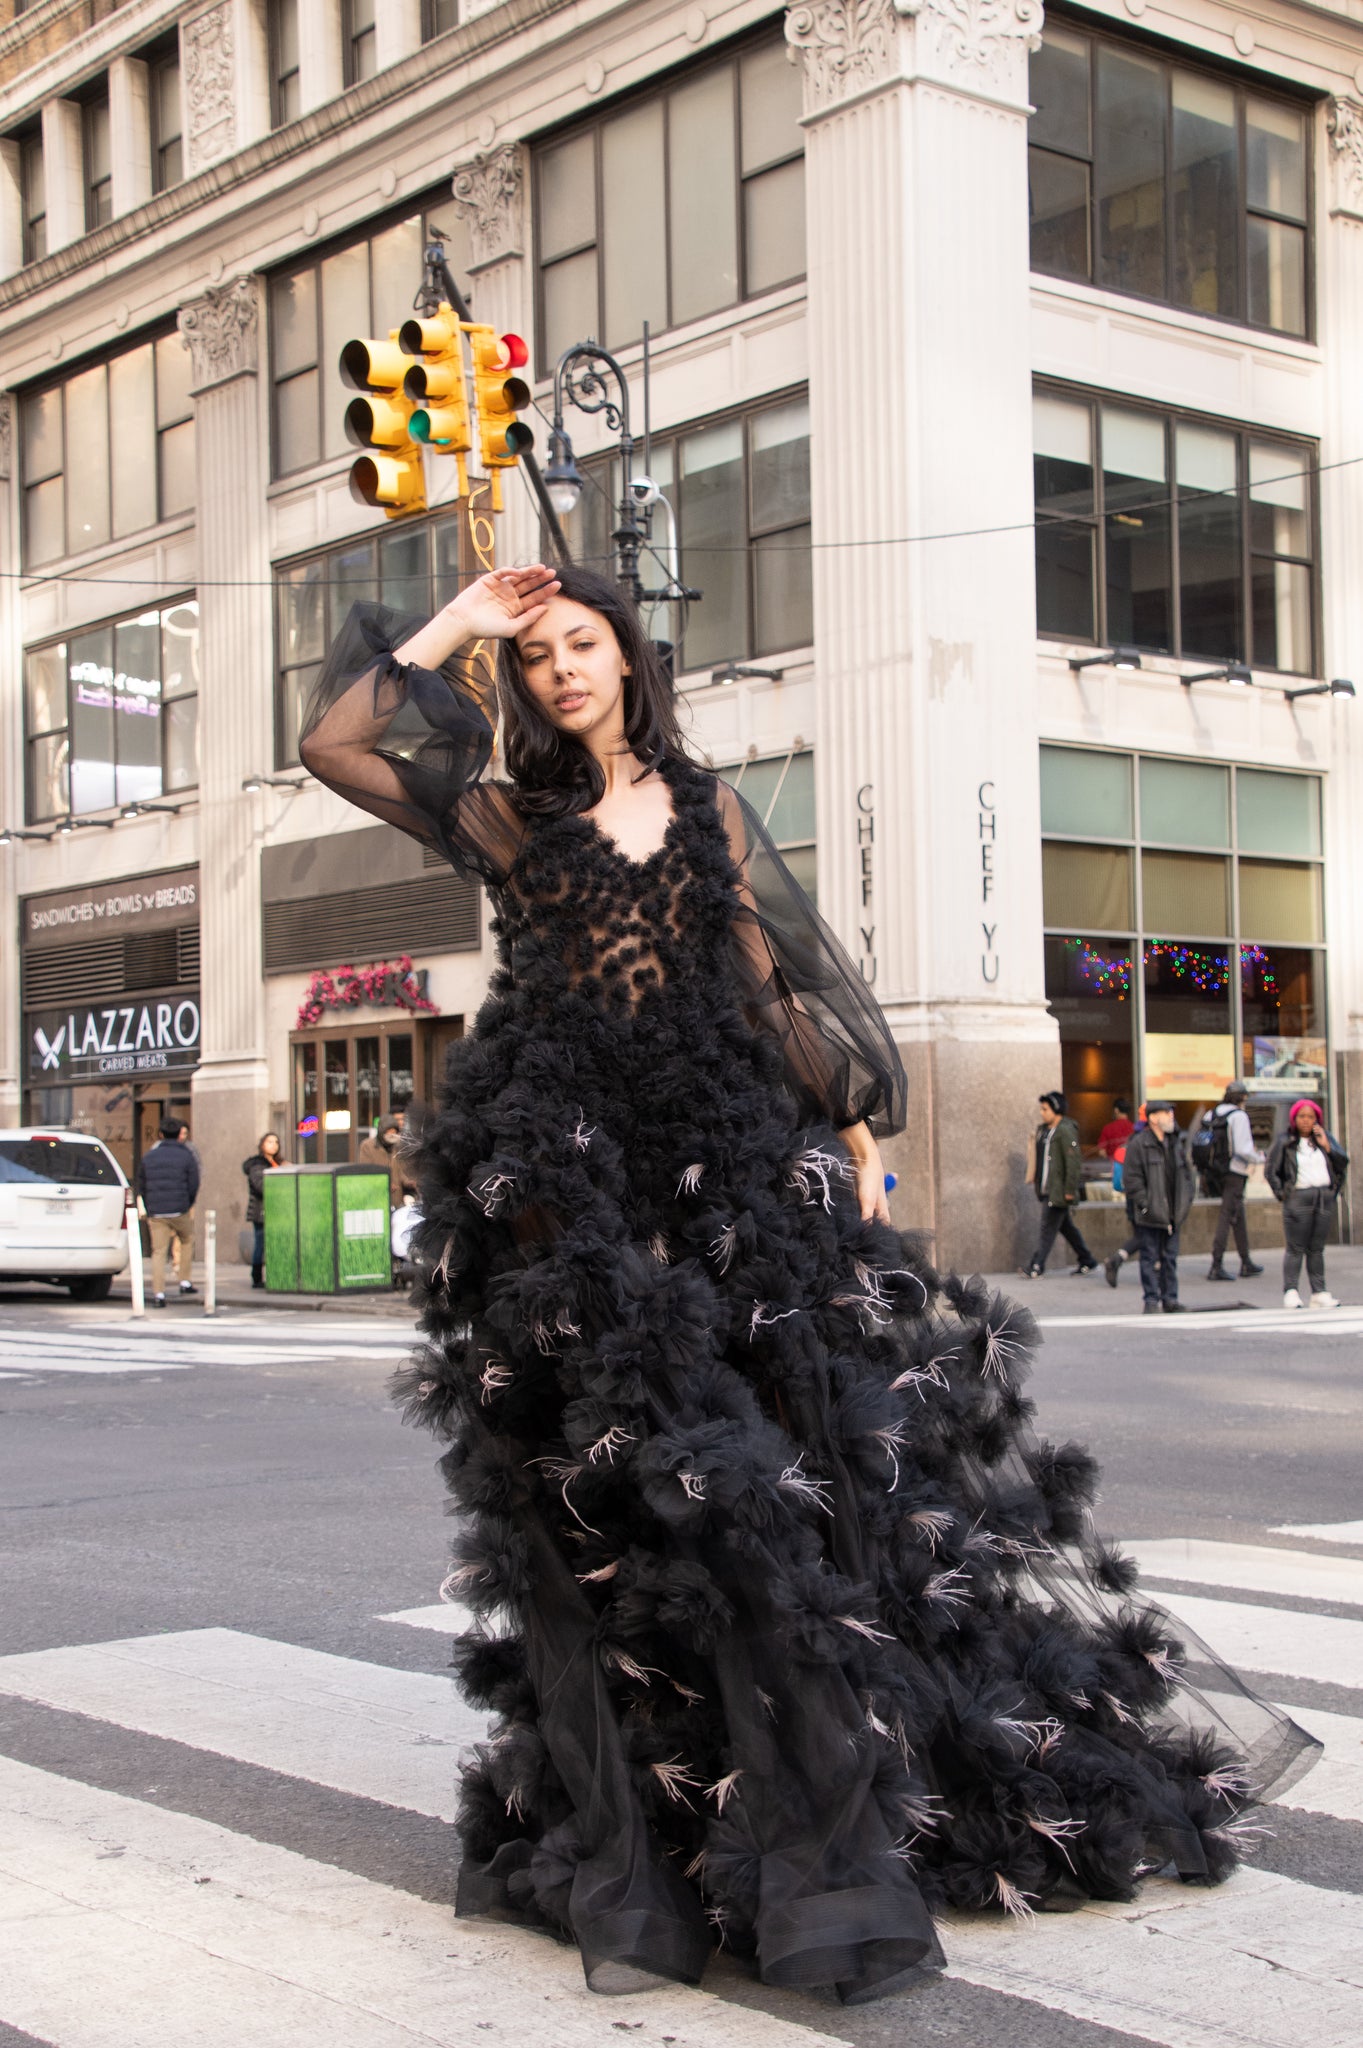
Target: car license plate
x=59 y=1208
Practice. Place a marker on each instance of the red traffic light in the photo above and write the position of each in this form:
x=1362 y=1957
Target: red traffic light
x=516 y=352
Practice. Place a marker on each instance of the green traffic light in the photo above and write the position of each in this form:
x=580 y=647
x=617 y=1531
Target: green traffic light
x=420 y=424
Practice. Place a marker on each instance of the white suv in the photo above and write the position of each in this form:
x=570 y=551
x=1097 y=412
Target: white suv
x=63 y=1213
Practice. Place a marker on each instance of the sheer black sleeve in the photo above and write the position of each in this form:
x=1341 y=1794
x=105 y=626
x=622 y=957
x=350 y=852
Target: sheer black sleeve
x=798 y=983
x=409 y=744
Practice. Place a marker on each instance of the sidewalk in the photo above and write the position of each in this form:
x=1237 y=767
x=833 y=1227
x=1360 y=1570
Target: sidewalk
x=236 y=1292
x=1062 y=1291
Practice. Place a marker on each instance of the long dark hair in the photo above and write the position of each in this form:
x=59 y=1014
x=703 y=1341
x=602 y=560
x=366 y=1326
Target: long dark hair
x=553 y=773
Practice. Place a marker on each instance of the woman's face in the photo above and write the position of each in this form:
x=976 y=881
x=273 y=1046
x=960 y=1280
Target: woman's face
x=1305 y=1121
x=574 y=669
x=270 y=1146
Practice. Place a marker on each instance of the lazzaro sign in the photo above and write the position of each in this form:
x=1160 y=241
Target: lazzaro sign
x=157 y=1035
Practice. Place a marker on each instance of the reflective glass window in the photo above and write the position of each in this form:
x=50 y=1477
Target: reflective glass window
x=1086 y=792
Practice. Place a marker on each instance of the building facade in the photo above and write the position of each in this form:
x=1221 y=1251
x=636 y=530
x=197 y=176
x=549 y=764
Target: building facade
x=1003 y=396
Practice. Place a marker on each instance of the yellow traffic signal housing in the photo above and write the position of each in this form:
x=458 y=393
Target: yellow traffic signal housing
x=502 y=438
x=393 y=475
x=435 y=385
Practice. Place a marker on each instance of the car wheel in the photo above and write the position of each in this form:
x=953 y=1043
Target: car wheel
x=93 y=1287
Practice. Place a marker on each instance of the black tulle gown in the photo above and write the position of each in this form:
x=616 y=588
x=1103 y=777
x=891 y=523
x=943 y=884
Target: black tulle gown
x=793 y=1630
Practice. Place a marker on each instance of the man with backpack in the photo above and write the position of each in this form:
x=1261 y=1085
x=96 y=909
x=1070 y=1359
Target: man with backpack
x=1224 y=1154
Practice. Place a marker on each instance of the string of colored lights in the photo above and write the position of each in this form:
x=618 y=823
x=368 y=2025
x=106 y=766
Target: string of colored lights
x=1209 y=972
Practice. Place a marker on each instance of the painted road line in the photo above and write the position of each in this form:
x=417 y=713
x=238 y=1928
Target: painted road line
x=1268 y=1322
x=1280 y=1640
x=1252 y=1568
x=1324 y=1532
x=444 y=1619
x=123 y=1925
x=1334 y=1785
x=1261 y=1962
x=362 y=1728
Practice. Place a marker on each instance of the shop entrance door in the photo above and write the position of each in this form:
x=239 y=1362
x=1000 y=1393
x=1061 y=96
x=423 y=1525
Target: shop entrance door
x=345 y=1078
x=153 y=1101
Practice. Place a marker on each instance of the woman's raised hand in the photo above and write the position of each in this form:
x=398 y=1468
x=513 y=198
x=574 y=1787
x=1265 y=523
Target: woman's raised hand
x=502 y=602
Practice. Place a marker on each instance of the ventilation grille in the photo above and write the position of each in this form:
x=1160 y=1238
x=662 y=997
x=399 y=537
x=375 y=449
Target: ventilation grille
x=119 y=966
x=439 y=915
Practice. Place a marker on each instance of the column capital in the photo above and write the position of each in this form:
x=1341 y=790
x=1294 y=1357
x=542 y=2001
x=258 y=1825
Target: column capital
x=1344 y=122
x=974 y=46
x=222 y=333
x=208 y=55
x=489 y=193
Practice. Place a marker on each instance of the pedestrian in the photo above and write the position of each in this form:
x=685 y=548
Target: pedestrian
x=729 y=1457
x=167 y=1179
x=1159 y=1193
x=1231 y=1157
x=1114 y=1134
x=1306 y=1170
x=1057 y=1169
x=265 y=1156
x=383 y=1148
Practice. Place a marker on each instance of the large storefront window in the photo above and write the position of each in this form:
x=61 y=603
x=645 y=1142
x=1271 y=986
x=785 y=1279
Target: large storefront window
x=1185 y=929
x=345 y=1079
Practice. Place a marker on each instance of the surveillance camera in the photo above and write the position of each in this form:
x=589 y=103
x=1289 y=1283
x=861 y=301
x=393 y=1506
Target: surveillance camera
x=644 y=491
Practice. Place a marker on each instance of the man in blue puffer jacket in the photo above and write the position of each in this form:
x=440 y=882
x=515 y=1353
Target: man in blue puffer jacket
x=168 y=1181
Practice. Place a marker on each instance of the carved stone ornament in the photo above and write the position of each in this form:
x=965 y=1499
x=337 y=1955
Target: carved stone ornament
x=489 y=193
x=209 y=86
x=846 y=44
x=222 y=332
x=6 y=437
x=1345 y=124
x=983 y=38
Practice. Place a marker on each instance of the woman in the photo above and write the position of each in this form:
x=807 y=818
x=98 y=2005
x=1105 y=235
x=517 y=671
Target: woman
x=265 y=1156
x=797 y=1642
x=1306 y=1170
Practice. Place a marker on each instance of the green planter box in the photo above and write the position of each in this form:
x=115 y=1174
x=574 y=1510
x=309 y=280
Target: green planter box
x=326 y=1230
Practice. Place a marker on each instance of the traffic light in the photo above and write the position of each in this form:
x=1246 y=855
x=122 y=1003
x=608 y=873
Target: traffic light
x=502 y=438
x=436 y=386
x=393 y=475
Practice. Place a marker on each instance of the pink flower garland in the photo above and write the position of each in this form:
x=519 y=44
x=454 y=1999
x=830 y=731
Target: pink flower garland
x=388 y=984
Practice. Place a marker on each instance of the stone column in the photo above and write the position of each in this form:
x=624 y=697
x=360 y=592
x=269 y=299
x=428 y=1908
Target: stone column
x=320 y=65
x=222 y=332
x=927 y=764
x=1340 y=312
x=397 y=30
x=129 y=133
x=489 y=195
x=11 y=772
x=11 y=208
x=63 y=173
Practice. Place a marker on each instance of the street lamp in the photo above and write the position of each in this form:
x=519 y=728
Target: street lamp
x=1114 y=657
x=1340 y=687
x=1229 y=672
x=563 y=479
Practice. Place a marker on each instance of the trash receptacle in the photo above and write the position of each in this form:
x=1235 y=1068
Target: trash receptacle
x=326 y=1230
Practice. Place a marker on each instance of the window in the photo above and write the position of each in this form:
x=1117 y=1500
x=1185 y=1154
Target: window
x=361 y=41
x=33 y=185
x=673 y=206
x=1184 y=536
x=1184 y=928
x=99 y=190
x=438 y=17
x=414 y=568
x=363 y=287
x=740 y=490
x=781 y=791
x=1174 y=184
x=167 y=124
x=111 y=715
x=125 y=430
x=285 y=101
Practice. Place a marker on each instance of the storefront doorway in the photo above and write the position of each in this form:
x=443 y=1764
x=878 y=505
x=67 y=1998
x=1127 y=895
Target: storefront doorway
x=345 y=1078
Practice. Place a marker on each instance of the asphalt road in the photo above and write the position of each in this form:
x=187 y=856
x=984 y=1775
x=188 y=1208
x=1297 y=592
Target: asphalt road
x=227 y=1743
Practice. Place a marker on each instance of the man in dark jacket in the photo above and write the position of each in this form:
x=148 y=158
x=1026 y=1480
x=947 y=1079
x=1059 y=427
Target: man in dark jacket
x=1236 y=1143
x=1059 y=1175
x=168 y=1181
x=1158 y=1184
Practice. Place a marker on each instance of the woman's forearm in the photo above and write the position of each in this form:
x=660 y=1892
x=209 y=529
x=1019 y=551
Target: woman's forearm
x=433 y=644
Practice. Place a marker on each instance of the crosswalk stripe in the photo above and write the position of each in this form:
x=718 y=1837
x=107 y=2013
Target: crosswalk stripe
x=1324 y=1532
x=1333 y=1785
x=1262 y=1962
x=442 y=1619
x=1252 y=1568
x=155 y=1353
x=125 y=1923
x=361 y=1728
x=1280 y=1640
x=1326 y=1322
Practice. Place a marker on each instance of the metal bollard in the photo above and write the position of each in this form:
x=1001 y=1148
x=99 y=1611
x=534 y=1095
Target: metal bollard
x=136 y=1279
x=211 y=1263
